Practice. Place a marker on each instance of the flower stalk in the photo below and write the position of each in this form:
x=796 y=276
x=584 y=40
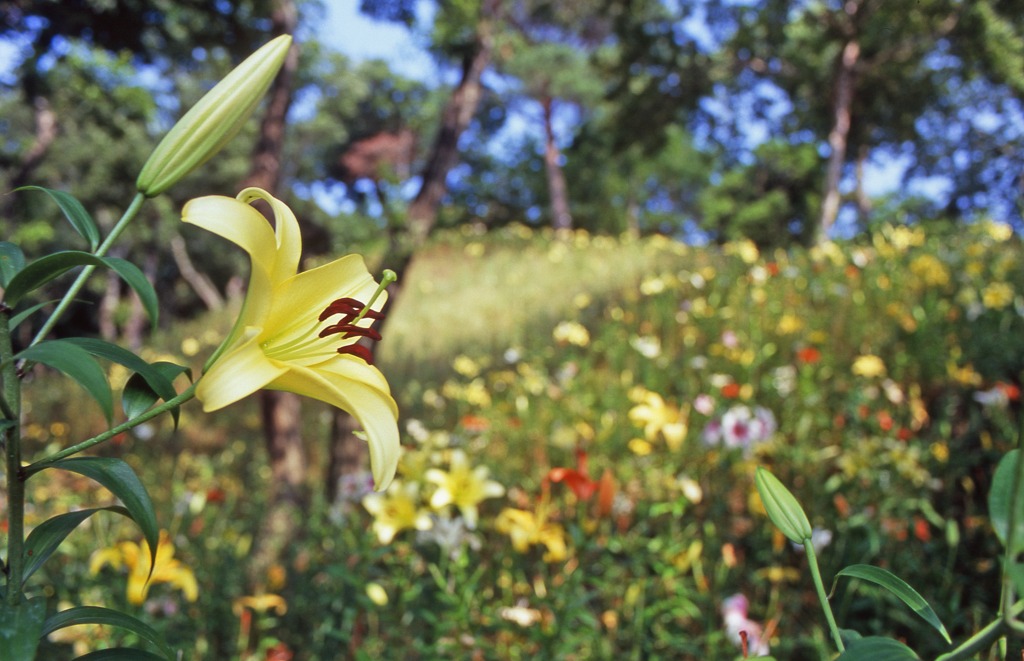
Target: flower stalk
x=11 y=435
x=76 y=286
x=819 y=586
x=127 y=425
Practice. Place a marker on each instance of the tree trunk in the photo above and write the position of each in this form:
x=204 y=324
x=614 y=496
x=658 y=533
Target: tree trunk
x=45 y=134
x=455 y=118
x=863 y=201
x=346 y=448
x=561 y=219
x=108 y=307
x=281 y=411
x=837 y=137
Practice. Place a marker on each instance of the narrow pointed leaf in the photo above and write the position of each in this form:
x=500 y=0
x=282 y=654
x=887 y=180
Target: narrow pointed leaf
x=999 y=499
x=45 y=269
x=139 y=395
x=12 y=260
x=120 y=480
x=52 y=266
x=898 y=587
x=876 y=648
x=48 y=535
x=74 y=212
x=75 y=362
x=153 y=377
x=138 y=281
x=109 y=617
x=20 y=628
x=782 y=506
x=119 y=654
x=28 y=312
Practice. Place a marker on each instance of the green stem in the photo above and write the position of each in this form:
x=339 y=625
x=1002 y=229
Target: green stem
x=69 y=296
x=183 y=396
x=11 y=435
x=812 y=563
x=981 y=640
x=1007 y=596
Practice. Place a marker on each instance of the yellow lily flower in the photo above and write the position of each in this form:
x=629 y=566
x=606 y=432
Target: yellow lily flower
x=526 y=528
x=286 y=337
x=463 y=486
x=396 y=510
x=656 y=416
x=136 y=558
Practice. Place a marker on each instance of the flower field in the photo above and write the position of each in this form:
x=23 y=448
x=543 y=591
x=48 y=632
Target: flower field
x=582 y=419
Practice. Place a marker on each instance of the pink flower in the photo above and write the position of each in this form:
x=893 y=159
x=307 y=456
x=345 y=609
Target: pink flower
x=704 y=404
x=745 y=633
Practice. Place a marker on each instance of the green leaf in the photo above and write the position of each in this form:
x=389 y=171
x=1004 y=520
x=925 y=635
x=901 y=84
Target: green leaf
x=999 y=498
x=999 y=501
x=20 y=628
x=782 y=506
x=153 y=377
x=138 y=281
x=12 y=260
x=26 y=313
x=76 y=362
x=898 y=587
x=52 y=266
x=74 y=212
x=119 y=654
x=121 y=480
x=876 y=648
x=139 y=394
x=48 y=535
x=109 y=617
x=45 y=269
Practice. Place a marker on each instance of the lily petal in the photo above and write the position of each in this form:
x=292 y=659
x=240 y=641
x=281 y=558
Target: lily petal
x=372 y=407
x=237 y=222
x=239 y=373
x=288 y=238
x=315 y=290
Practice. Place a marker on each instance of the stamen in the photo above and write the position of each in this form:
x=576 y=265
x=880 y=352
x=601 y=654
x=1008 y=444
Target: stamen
x=353 y=311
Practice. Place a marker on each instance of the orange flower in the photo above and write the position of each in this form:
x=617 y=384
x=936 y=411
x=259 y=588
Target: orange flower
x=731 y=390
x=577 y=479
x=808 y=355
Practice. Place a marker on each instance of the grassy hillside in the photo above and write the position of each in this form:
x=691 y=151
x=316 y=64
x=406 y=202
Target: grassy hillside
x=621 y=392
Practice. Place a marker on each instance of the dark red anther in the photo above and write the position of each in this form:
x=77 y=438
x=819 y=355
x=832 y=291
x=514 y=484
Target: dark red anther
x=351 y=309
x=359 y=351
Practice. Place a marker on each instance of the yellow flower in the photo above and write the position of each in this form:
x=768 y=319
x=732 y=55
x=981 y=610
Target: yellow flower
x=998 y=231
x=463 y=486
x=260 y=603
x=377 y=594
x=745 y=249
x=136 y=558
x=930 y=270
x=214 y=120
x=396 y=510
x=868 y=366
x=658 y=417
x=571 y=332
x=287 y=337
x=997 y=295
x=789 y=324
x=526 y=529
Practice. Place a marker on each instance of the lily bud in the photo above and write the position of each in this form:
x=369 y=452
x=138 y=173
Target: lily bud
x=212 y=122
x=783 y=508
